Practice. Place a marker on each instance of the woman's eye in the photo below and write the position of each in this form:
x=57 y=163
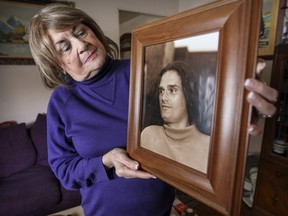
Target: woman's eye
x=64 y=48
x=80 y=33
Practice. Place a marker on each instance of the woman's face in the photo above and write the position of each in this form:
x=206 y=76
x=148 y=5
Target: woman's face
x=172 y=100
x=82 y=55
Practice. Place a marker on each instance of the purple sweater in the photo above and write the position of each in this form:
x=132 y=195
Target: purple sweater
x=86 y=121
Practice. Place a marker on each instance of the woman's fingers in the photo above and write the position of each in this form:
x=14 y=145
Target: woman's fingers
x=262 y=89
x=124 y=159
x=254 y=129
x=126 y=172
x=263 y=106
x=124 y=166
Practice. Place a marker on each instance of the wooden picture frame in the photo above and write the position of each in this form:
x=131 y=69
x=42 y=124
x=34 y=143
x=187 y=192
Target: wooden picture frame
x=15 y=16
x=267 y=40
x=238 y=24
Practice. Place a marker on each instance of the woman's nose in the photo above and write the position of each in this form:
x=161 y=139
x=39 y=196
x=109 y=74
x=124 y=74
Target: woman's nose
x=81 y=45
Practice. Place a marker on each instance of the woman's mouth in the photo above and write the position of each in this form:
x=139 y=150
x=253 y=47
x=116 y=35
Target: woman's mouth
x=91 y=57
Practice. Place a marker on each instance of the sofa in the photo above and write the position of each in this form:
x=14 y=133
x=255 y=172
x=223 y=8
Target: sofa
x=27 y=184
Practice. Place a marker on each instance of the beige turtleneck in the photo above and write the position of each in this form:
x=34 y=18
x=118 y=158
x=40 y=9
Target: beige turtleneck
x=187 y=146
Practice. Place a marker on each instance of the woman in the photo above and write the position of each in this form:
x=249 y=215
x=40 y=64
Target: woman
x=87 y=116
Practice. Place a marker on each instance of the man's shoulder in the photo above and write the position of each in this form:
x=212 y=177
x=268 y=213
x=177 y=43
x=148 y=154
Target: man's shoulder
x=152 y=129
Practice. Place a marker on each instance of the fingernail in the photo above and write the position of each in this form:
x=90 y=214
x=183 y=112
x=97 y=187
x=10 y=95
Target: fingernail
x=252 y=96
x=137 y=165
x=249 y=83
x=250 y=129
x=260 y=67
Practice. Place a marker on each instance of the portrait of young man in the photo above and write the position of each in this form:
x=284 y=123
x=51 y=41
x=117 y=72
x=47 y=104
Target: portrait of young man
x=178 y=105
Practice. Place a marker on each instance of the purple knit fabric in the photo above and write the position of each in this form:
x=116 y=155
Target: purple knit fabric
x=17 y=150
x=86 y=121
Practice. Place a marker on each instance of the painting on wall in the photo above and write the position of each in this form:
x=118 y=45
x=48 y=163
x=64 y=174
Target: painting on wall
x=268 y=27
x=14 y=18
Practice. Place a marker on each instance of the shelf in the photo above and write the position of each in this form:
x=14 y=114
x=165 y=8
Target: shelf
x=271 y=188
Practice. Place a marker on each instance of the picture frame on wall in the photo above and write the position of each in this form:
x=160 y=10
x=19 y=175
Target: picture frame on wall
x=220 y=110
x=269 y=19
x=15 y=16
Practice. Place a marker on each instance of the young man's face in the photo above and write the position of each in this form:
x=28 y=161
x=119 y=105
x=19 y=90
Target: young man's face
x=172 y=100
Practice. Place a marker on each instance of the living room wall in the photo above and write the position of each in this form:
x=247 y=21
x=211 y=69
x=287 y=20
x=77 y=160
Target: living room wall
x=22 y=95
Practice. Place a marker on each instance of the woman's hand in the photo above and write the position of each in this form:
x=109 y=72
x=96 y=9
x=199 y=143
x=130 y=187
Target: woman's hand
x=262 y=97
x=124 y=166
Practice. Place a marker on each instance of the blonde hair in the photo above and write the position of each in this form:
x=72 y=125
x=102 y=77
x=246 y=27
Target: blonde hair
x=59 y=17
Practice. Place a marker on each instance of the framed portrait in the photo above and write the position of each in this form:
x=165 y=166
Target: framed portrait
x=15 y=16
x=188 y=113
x=268 y=31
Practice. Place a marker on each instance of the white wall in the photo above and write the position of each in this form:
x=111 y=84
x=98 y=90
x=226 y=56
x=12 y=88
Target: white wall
x=106 y=12
x=129 y=25
x=22 y=95
x=187 y=4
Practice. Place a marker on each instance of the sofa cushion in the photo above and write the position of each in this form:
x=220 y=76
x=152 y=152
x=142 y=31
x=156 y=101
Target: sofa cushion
x=39 y=138
x=7 y=124
x=16 y=150
x=29 y=191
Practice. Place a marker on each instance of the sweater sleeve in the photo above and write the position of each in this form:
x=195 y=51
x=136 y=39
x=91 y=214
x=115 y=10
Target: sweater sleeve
x=70 y=168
